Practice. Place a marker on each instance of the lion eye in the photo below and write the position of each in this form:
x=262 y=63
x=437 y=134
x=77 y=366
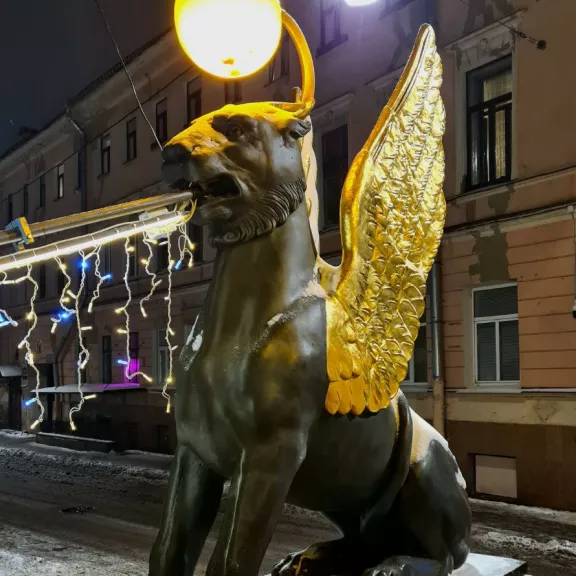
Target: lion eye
x=234 y=132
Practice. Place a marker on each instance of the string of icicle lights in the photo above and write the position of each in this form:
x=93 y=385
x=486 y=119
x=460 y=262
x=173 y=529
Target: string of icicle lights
x=78 y=303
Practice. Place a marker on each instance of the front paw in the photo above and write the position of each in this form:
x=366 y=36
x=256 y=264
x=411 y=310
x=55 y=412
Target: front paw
x=326 y=559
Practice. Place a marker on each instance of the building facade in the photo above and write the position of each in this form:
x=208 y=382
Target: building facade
x=507 y=259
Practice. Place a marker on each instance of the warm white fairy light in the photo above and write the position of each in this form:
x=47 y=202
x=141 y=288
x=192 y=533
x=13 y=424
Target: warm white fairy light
x=154 y=282
x=101 y=279
x=160 y=224
x=64 y=299
x=169 y=331
x=25 y=343
x=84 y=354
x=124 y=310
x=185 y=247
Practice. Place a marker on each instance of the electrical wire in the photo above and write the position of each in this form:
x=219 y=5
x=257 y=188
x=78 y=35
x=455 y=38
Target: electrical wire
x=127 y=73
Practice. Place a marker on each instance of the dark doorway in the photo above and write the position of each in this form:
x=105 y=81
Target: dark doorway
x=14 y=404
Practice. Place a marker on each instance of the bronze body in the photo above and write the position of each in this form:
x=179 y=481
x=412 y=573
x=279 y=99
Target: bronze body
x=252 y=400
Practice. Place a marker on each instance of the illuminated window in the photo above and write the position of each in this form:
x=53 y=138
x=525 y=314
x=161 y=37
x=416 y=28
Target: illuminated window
x=60 y=181
x=489 y=123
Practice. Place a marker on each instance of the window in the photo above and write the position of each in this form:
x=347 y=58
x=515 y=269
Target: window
x=131 y=141
x=60 y=181
x=25 y=200
x=162 y=120
x=134 y=355
x=162 y=256
x=193 y=101
x=163 y=357
x=61 y=281
x=280 y=65
x=196 y=235
x=489 y=123
x=232 y=92
x=496 y=334
x=133 y=259
x=42 y=281
x=41 y=191
x=330 y=29
x=106 y=259
x=10 y=208
x=105 y=154
x=334 y=170
x=106 y=359
x=418 y=365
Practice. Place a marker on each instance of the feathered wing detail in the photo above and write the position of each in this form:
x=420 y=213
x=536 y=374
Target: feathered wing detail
x=392 y=218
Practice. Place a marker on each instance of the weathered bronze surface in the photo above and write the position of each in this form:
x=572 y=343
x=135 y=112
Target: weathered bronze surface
x=288 y=384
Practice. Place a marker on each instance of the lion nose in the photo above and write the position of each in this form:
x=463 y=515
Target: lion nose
x=175 y=153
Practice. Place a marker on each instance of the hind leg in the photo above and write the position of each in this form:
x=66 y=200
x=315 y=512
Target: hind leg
x=426 y=531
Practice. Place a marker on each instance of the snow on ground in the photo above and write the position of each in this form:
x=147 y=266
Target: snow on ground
x=15 y=434
x=24 y=553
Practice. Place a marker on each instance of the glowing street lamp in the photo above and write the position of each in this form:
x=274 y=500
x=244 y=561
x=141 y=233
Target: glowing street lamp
x=229 y=38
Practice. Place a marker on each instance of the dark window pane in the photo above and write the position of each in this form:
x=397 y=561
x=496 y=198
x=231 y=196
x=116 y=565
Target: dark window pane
x=486 y=351
x=496 y=302
x=334 y=171
x=162 y=256
x=509 y=351
x=106 y=359
x=194 y=101
x=41 y=190
x=420 y=357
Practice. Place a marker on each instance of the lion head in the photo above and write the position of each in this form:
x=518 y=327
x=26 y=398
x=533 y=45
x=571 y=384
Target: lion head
x=244 y=163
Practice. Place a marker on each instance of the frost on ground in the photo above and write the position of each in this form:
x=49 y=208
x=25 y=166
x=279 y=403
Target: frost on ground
x=24 y=553
x=15 y=433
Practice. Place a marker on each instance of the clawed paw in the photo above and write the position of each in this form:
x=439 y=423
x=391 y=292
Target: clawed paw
x=319 y=560
x=292 y=564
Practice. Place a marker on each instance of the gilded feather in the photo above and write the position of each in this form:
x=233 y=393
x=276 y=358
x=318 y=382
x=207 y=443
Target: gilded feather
x=392 y=215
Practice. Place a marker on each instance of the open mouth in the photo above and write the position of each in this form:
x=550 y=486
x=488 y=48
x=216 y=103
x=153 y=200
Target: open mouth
x=220 y=188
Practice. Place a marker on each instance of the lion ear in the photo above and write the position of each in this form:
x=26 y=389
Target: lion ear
x=298 y=128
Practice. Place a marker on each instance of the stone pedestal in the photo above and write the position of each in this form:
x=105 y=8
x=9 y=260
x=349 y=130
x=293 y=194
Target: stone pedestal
x=480 y=565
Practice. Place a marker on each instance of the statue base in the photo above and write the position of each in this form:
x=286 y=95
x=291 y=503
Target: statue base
x=481 y=565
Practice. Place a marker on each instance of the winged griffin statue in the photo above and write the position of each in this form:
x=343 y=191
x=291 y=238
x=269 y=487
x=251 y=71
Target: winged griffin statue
x=288 y=386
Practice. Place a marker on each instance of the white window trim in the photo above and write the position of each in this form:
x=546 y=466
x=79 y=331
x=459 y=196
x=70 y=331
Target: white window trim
x=487 y=320
x=493 y=33
x=409 y=381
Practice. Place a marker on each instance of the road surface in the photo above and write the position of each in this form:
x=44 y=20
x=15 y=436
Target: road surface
x=61 y=514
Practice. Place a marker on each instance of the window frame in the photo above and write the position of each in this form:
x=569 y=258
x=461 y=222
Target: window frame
x=105 y=160
x=339 y=37
x=131 y=137
x=505 y=103
x=193 y=100
x=106 y=259
x=60 y=182
x=410 y=381
x=496 y=320
x=162 y=246
x=25 y=200
x=281 y=58
x=198 y=253
x=41 y=191
x=232 y=92
x=321 y=169
x=162 y=347
x=162 y=119
x=106 y=359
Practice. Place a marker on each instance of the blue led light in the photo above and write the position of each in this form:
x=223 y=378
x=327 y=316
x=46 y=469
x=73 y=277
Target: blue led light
x=107 y=277
x=30 y=402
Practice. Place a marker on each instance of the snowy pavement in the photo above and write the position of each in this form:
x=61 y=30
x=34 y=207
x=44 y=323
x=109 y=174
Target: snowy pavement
x=119 y=499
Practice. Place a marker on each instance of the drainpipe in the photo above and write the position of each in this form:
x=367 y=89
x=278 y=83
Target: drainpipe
x=81 y=188
x=438 y=388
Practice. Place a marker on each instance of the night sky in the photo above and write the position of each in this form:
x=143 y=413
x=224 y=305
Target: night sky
x=51 y=49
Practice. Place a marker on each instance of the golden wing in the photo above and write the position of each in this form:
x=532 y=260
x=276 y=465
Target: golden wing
x=392 y=218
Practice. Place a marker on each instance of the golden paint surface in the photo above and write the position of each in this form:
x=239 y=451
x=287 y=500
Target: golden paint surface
x=392 y=215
